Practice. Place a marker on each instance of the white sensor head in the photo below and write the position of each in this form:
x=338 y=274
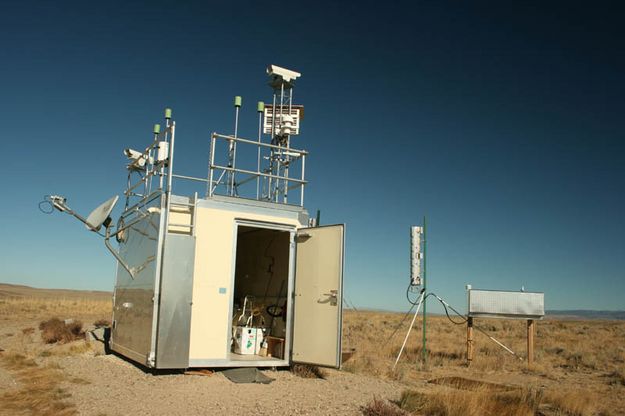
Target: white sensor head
x=286 y=74
x=137 y=159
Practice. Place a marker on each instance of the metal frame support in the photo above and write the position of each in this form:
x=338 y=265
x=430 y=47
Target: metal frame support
x=469 y=340
x=471 y=344
x=530 y=342
x=424 y=352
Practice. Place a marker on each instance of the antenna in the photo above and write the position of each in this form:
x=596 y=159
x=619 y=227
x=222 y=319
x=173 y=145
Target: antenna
x=96 y=219
x=99 y=215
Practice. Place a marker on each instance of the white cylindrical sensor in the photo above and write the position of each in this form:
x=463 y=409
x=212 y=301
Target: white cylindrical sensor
x=163 y=151
x=415 y=255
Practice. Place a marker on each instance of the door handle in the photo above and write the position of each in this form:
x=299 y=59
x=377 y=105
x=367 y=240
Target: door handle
x=333 y=295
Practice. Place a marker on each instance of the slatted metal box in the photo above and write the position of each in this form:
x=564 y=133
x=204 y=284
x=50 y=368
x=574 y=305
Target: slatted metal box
x=506 y=304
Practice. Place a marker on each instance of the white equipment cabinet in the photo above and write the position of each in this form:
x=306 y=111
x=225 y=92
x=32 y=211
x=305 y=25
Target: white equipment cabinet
x=186 y=263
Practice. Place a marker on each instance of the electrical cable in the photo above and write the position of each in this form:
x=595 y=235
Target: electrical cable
x=422 y=297
x=46 y=202
x=408 y=291
x=445 y=305
x=466 y=319
x=47 y=199
x=349 y=304
x=402 y=321
x=270 y=267
x=409 y=310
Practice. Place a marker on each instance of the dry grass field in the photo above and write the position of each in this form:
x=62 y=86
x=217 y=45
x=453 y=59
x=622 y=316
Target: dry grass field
x=30 y=382
x=579 y=365
x=579 y=369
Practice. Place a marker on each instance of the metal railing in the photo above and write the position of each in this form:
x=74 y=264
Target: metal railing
x=156 y=174
x=222 y=179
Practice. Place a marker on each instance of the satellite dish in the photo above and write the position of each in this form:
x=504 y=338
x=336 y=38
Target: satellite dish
x=100 y=214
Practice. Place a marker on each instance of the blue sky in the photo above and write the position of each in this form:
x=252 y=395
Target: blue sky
x=502 y=123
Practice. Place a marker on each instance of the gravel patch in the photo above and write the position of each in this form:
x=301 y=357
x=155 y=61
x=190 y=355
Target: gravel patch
x=117 y=387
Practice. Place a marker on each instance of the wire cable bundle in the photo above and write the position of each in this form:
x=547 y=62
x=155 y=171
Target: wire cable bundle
x=446 y=306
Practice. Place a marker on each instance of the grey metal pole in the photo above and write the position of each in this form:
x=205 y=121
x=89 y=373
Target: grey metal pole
x=271 y=154
x=260 y=108
x=301 y=197
x=288 y=147
x=279 y=167
x=211 y=162
x=147 y=179
x=232 y=153
x=167 y=124
x=423 y=348
x=170 y=168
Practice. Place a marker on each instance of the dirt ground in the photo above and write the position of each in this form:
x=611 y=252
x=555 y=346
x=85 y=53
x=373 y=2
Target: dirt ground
x=90 y=382
x=99 y=384
x=118 y=388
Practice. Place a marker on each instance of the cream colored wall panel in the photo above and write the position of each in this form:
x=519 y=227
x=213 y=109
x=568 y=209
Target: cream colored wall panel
x=212 y=283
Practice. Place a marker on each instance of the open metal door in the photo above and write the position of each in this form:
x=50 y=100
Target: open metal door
x=318 y=294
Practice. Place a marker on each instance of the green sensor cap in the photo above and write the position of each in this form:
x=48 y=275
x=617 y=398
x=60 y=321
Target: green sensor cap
x=168 y=113
x=237 y=101
x=261 y=106
x=157 y=128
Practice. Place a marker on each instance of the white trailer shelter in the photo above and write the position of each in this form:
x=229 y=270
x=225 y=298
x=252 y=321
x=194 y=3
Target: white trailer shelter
x=187 y=265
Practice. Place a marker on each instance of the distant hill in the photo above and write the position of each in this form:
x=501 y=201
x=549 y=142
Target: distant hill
x=585 y=314
x=20 y=291
x=553 y=314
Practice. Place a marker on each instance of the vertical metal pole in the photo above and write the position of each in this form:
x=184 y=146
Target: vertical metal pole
x=127 y=188
x=148 y=167
x=232 y=153
x=167 y=124
x=211 y=163
x=301 y=196
x=530 y=342
x=288 y=147
x=469 y=341
x=423 y=347
x=279 y=165
x=163 y=230
x=261 y=109
x=271 y=152
x=171 y=165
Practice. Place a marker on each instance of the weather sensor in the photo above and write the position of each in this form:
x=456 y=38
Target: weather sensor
x=416 y=255
x=285 y=74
